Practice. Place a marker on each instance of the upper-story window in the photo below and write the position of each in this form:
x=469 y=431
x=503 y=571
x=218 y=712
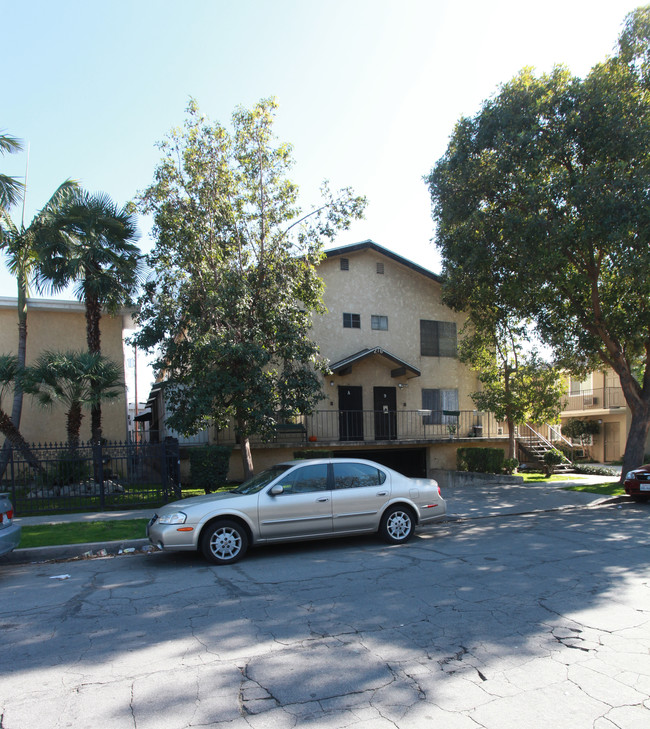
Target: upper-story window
x=345 y=264
x=379 y=322
x=380 y=266
x=352 y=321
x=438 y=338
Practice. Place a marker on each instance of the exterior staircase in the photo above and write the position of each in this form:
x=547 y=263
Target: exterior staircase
x=535 y=445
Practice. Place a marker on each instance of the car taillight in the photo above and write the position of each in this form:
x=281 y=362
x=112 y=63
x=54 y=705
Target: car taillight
x=8 y=515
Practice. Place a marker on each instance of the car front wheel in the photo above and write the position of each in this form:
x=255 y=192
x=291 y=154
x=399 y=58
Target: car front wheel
x=224 y=542
x=397 y=525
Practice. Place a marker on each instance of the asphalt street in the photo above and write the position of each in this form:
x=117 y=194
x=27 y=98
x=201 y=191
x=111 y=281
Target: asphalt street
x=506 y=616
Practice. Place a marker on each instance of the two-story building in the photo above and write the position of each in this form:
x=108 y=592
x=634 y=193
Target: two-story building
x=396 y=392
x=58 y=325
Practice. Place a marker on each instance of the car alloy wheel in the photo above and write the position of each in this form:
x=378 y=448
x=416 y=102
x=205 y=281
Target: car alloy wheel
x=224 y=542
x=397 y=525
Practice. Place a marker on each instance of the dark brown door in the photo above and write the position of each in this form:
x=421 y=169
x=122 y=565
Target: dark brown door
x=385 y=407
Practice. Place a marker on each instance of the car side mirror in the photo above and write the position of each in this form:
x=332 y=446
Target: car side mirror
x=277 y=489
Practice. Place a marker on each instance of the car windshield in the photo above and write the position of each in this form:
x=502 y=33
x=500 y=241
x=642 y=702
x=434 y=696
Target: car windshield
x=254 y=484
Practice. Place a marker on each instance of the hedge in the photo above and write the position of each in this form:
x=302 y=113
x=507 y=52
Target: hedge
x=209 y=466
x=480 y=460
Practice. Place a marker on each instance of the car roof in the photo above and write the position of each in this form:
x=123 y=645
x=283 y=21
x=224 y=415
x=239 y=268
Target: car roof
x=312 y=461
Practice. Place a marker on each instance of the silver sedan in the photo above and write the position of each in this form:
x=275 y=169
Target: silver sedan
x=296 y=500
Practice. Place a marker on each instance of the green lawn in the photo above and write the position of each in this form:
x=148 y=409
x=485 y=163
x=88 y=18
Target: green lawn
x=606 y=489
x=51 y=535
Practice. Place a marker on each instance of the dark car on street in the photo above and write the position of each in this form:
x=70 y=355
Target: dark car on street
x=637 y=483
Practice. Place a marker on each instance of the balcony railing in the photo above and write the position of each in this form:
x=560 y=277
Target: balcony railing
x=347 y=426
x=596 y=399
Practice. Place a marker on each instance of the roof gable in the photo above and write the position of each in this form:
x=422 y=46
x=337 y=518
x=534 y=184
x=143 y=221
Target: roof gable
x=372 y=246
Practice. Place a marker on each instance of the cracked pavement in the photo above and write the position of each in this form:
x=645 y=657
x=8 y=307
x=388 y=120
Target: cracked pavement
x=539 y=620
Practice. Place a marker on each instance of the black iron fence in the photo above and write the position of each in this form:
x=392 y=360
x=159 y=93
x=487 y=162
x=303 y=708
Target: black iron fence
x=109 y=476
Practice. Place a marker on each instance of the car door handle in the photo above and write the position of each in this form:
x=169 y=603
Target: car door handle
x=382 y=493
x=323 y=500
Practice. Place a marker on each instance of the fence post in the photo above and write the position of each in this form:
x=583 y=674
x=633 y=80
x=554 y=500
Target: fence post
x=171 y=466
x=98 y=458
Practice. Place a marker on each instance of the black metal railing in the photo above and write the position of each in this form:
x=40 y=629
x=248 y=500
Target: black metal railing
x=341 y=426
x=93 y=477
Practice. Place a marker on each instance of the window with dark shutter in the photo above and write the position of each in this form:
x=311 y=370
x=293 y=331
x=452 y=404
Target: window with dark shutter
x=438 y=338
x=380 y=267
x=345 y=264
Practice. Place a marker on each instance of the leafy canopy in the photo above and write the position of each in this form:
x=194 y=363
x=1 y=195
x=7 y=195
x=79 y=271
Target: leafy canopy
x=233 y=280
x=541 y=204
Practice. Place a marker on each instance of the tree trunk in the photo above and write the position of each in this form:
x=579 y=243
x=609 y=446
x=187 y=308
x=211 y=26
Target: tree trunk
x=75 y=416
x=636 y=439
x=17 y=405
x=16 y=439
x=246 y=456
x=93 y=339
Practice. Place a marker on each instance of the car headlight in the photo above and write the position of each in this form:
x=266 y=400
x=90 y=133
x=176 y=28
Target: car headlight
x=629 y=475
x=178 y=517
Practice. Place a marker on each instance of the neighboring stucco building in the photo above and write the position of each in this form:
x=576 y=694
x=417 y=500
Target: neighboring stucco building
x=397 y=392
x=61 y=325
x=600 y=397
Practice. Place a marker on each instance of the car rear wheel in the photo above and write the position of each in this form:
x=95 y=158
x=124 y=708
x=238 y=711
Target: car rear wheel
x=641 y=498
x=224 y=542
x=397 y=525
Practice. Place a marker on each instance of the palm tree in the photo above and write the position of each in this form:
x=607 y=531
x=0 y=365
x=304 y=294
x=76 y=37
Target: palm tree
x=96 y=251
x=20 y=246
x=10 y=187
x=10 y=373
x=76 y=380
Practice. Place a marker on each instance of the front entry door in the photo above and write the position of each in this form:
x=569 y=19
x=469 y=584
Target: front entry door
x=350 y=413
x=612 y=442
x=385 y=407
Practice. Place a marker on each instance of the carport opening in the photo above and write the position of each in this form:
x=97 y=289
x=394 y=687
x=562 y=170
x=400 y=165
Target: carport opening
x=411 y=462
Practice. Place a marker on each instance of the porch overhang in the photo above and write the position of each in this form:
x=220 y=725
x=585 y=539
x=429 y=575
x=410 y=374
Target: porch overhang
x=401 y=368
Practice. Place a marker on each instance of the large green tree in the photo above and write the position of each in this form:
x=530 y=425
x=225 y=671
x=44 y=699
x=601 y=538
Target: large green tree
x=93 y=248
x=542 y=200
x=234 y=285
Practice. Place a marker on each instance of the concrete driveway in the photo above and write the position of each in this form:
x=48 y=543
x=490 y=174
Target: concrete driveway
x=507 y=621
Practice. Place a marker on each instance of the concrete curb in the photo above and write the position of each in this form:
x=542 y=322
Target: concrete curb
x=71 y=551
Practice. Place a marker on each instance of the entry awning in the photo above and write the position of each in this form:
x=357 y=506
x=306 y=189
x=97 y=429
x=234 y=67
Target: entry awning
x=403 y=369
x=143 y=417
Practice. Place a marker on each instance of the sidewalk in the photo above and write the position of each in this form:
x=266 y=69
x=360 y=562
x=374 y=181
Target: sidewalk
x=465 y=502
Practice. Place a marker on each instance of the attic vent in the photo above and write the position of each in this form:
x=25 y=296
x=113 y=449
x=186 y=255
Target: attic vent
x=345 y=264
x=380 y=267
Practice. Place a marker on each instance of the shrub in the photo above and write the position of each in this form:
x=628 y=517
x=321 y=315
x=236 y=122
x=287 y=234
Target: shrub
x=480 y=460
x=552 y=458
x=209 y=466
x=510 y=465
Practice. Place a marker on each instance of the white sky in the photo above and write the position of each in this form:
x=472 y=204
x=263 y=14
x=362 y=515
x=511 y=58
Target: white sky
x=369 y=90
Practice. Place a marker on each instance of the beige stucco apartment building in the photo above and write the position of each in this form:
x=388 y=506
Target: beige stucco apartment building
x=396 y=392
x=61 y=325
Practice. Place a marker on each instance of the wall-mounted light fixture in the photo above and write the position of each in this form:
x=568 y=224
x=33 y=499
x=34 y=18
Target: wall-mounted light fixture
x=402 y=385
x=331 y=383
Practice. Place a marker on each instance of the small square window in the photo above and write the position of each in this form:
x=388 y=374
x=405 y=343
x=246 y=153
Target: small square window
x=379 y=322
x=345 y=264
x=352 y=321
